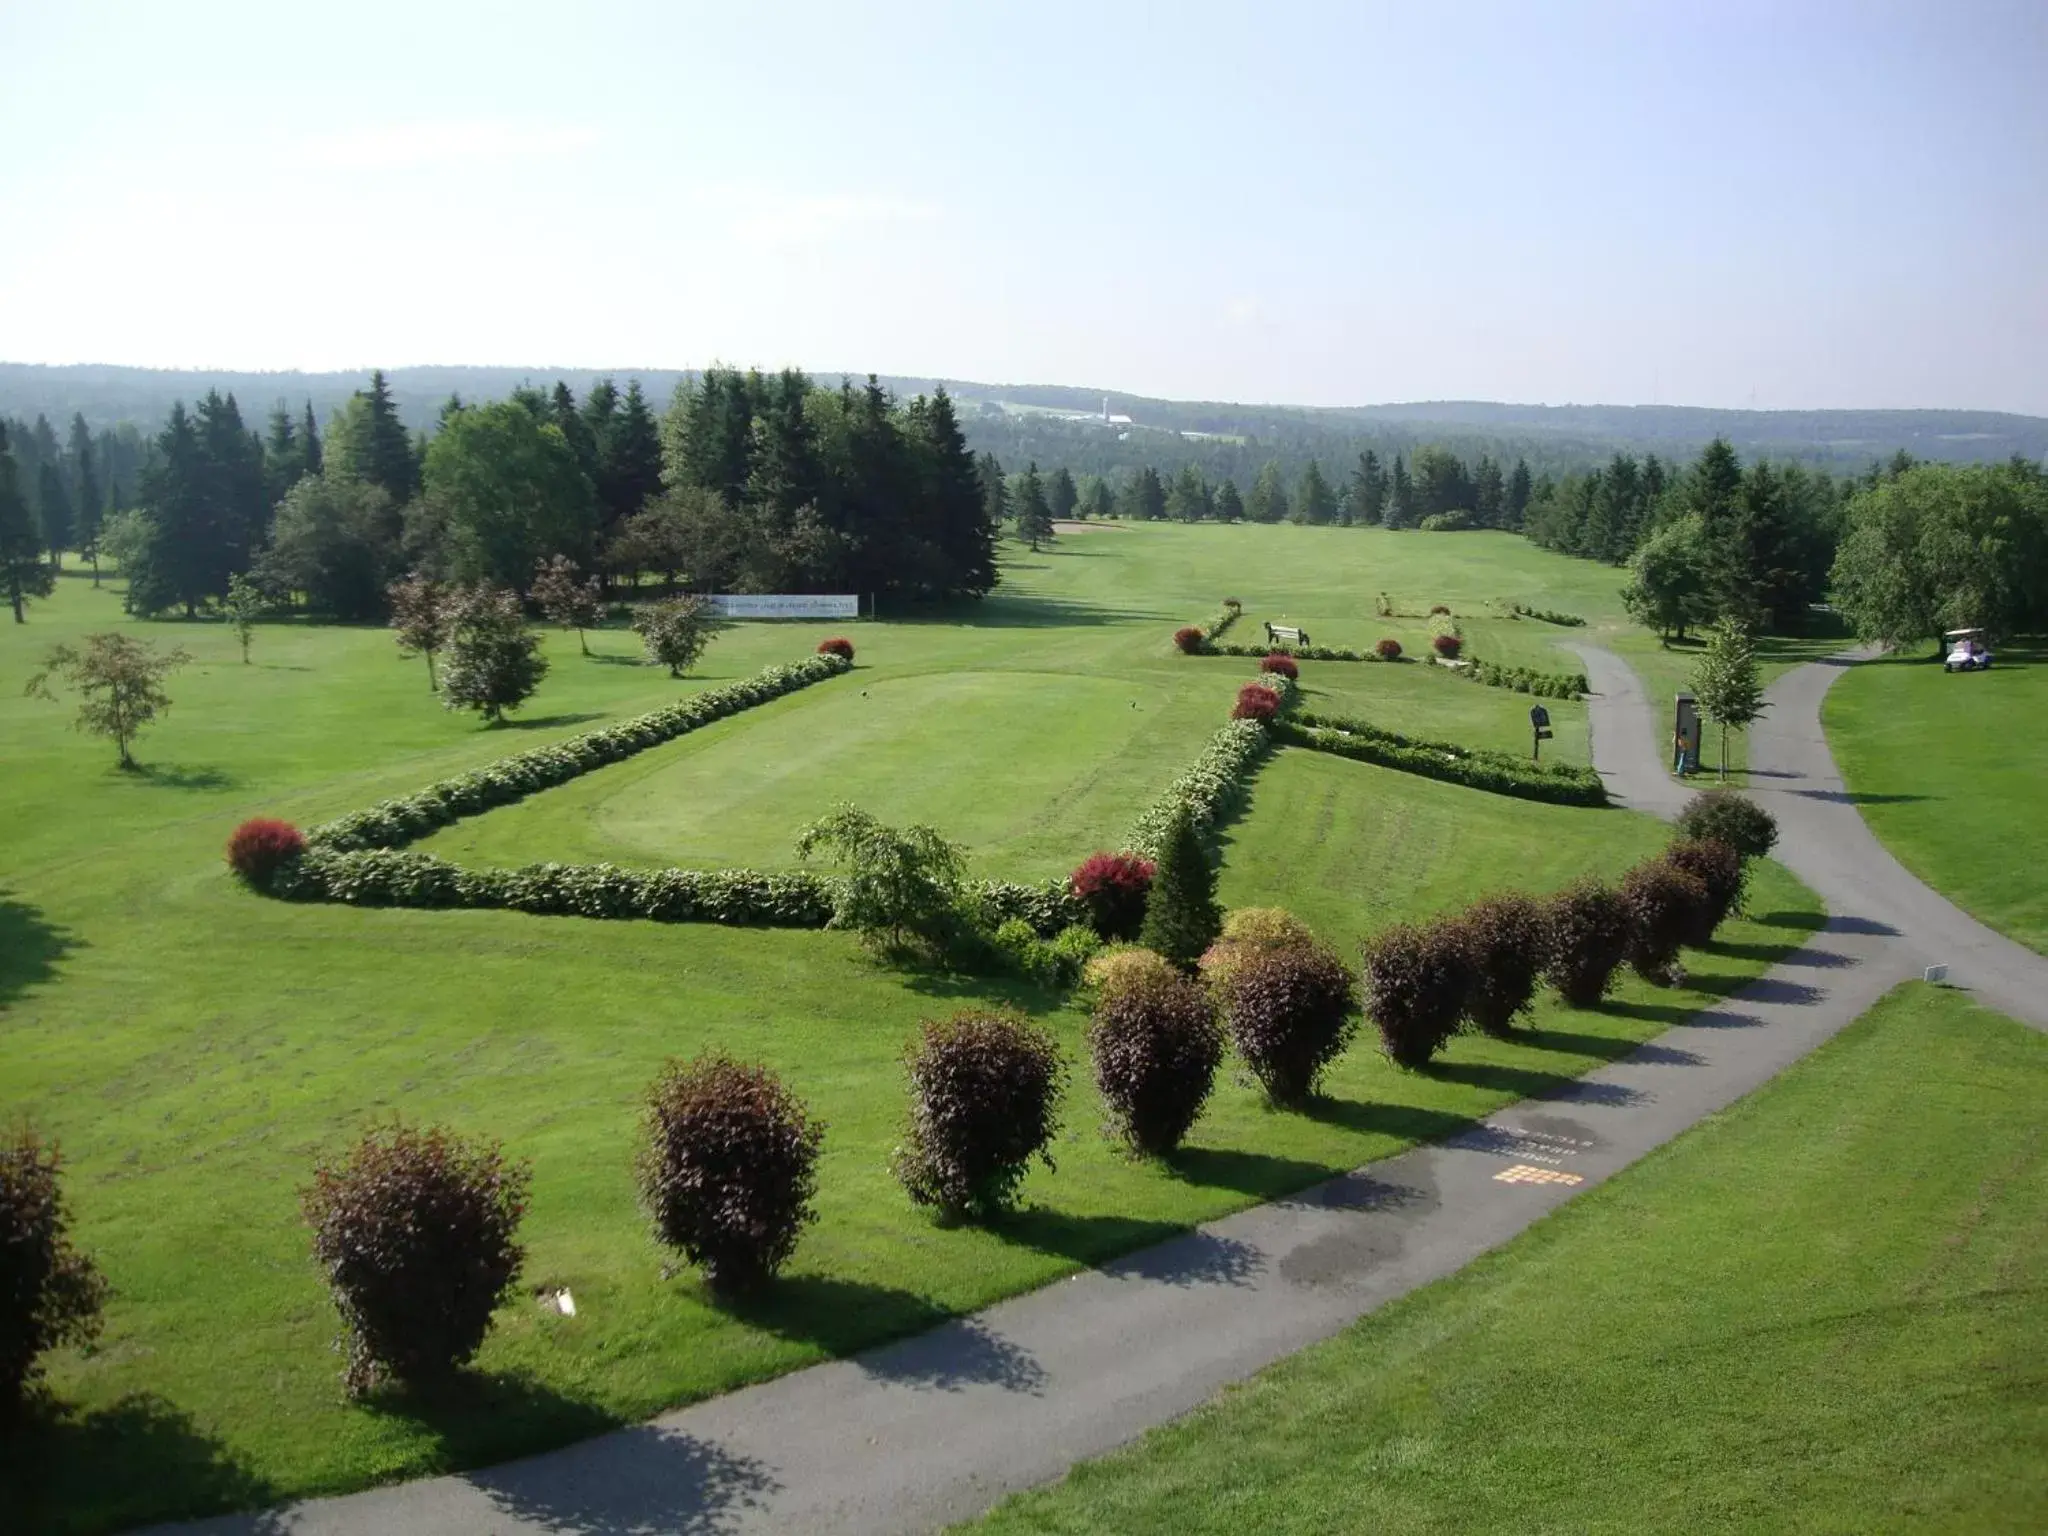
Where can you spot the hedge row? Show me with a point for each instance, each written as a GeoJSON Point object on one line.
{"type": "Point", "coordinates": [390, 877]}
{"type": "Point", "coordinates": [1207, 789]}
{"type": "Point", "coordinates": [1050, 907]}
{"type": "Point", "coordinates": [1547, 685]}
{"type": "Point", "coordinates": [394, 823]}
{"type": "Point", "coordinates": [1500, 773]}
{"type": "Point", "coordinates": [1548, 616]}
{"type": "Point", "coordinates": [1298, 652]}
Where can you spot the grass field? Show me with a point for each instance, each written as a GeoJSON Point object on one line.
{"type": "Point", "coordinates": [1947, 771]}
{"type": "Point", "coordinates": [195, 1047]}
{"type": "Point", "coordinates": [1816, 1311]}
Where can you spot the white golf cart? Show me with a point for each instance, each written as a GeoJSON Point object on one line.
{"type": "Point", "coordinates": [1967, 651]}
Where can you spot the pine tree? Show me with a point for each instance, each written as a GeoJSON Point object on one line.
{"type": "Point", "coordinates": [376, 447]}
{"type": "Point", "coordinates": [1098, 501]}
{"type": "Point", "coordinates": [1189, 500]}
{"type": "Point", "coordinates": [1229, 504]}
{"type": "Point", "coordinates": [1034, 516]}
{"type": "Point", "coordinates": [1515, 509]}
{"type": "Point", "coordinates": [1400, 510]}
{"type": "Point", "coordinates": [86, 506]}
{"type": "Point", "coordinates": [169, 565]}
{"type": "Point", "coordinates": [1061, 495]}
{"type": "Point", "coordinates": [631, 458]}
{"type": "Point", "coordinates": [55, 508]}
{"type": "Point", "coordinates": [958, 520]}
{"type": "Point", "coordinates": [1489, 492]}
{"type": "Point", "coordinates": [309, 442]}
{"type": "Point", "coordinates": [284, 456]}
{"type": "Point", "coordinates": [1712, 488]}
{"type": "Point", "coordinates": [1365, 493]}
{"type": "Point", "coordinates": [1726, 682]}
{"type": "Point", "coordinates": [1181, 917]}
{"type": "Point", "coordinates": [1314, 502]}
{"type": "Point", "coordinates": [579, 429]}
{"type": "Point", "coordinates": [995, 489]}
{"type": "Point", "coordinates": [1148, 495]}
{"type": "Point", "coordinates": [1268, 500]}
{"type": "Point", "coordinates": [23, 575]}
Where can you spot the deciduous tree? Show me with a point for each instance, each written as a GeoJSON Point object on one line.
{"type": "Point", "coordinates": [494, 661]}
{"type": "Point", "coordinates": [420, 616]}
{"type": "Point", "coordinates": [119, 682]}
{"type": "Point", "coordinates": [676, 632]}
{"type": "Point", "coordinates": [1726, 682]}
{"type": "Point", "coordinates": [566, 600]}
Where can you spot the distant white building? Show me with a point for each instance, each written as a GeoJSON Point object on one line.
{"type": "Point", "coordinates": [1112, 421]}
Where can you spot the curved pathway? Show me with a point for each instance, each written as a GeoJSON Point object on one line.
{"type": "Point", "coordinates": [937, 1428]}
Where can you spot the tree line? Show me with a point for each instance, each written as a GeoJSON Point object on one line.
{"type": "Point", "coordinates": [747, 482]}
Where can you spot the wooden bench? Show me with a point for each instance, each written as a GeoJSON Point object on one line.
{"type": "Point", "coordinates": [1285, 634]}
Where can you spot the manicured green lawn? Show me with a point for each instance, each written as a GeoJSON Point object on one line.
{"type": "Point", "coordinates": [195, 1047]}
{"type": "Point", "coordinates": [1949, 773]}
{"type": "Point", "coordinates": [1817, 1311]}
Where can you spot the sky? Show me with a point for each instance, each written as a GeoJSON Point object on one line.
{"type": "Point", "coordinates": [1786, 205]}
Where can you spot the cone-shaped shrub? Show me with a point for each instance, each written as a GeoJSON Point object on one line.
{"type": "Point", "coordinates": [728, 1168]}
{"type": "Point", "coordinates": [838, 645]}
{"type": "Point", "coordinates": [1255, 701]}
{"type": "Point", "coordinates": [1388, 649]}
{"type": "Point", "coordinates": [985, 1092]}
{"type": "Point", "coordinates": [1291, 1012]}
{"type": "Point", "coordinates": [1282, 663]}
{"type": "Point", "coordinates": [1417, 979]}
{"type": "Point", "coordinates": [1447, 646]}
{"type": "Point", "coordinates": [1112, 887]}
{"type": "Point", "coordinates": [1724, 873]}
{"type": "Point", "coordinates": [1181, 919]}
{"type": "Point", "coordinates": [1586, 936]}
{"type": "Point", "coordinates": [260, 845]}
{"type": "Point", "coordinates": [1737, 821]}
{"type": "Point", "coordinates": [414, 1232]}
{"type": "Point", "coordinates": [1189, 640]}
{"type": "Point", "coordinates": [1156, 1045]}
{"type": "Point", "coordinates": [1503, 937]}
{"type": "Point", "coordinates": [52, 1293]}
{"type": "Point", "coordinates": [1665, 904]}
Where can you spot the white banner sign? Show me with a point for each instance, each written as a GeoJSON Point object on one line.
{"type": "Point", "coordinates": [783, 605]}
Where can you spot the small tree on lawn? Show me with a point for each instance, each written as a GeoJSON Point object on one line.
{"type": "Point", "coordinates": [494, 660]}
{"type": "Point", "coordinates": [1726, 682]}
{"type": "Point", "coordinates": [419, 618]}
{"type": "Point", "coordinates": [676, 632]}
{"type": "Point", "coordinates": [244, 606]}
{"type": "Point", "coordinates": [566, 601]}
{"type": "Point", "coordinates": [120, 685]}
{"type": "Point", "coordinates": [1181, 917]}
{"type": "Point", "coordinates": [901, 884]}
{"type": "Point", "coordinates": [1034, 515]}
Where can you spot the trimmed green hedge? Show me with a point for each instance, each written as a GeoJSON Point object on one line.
{"type": "Point", "coordinates": [394, 823]}
{"type": "Point", "coordinates": [1496, 772]}
{"type": "Point", "coordinates": [1049, 907]}
{"type": "Point", "coordinates": [1298, 652]}
{"type": "Point", "coordinates": [1549, 616]}
{"type": "Point", "coordinates": [1546, 685]}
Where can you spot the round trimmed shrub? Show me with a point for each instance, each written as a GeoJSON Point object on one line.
{"type": "Point", "coordinates": [1189, 640]}
{"type": "Point", "coordinates": [1665, 904]}
{"type": "Point", "coordinates": [985, 1089]}
{"type": "Point", "coordinates": [1291, 1012]}
{"type": "Point", "coordinates": [1733, 819]}
{"type": "Point", "coordinates": [1282, 663]}
{"type": "Point", "coordinates": [1233, 605]}
{"type": "Point", "coordinates": [1586, 936]}
{"type": "Point", "coordinates": [838, 645]}
{"type": "Point", "coordinates": [414, 1231]}
{"type": "Point", "coordinates": [1156, 1045]}
{"type": "Point", "coordinates": [1447, 646]}
{"type": "Point", "coordinates": [1388, 649]}
{"type": "Point", "coordinates": [53, 1293]}
{"type": "Point", "coordinates": [1417, 980]}
{"type": "Point", "coordinates": [728, 1168]}
{"type": "Point", "coordinates": [1255, 701]}
{"type": "Point", "coordinates": [1112, 886]}
{"type": "Point", "coordinates": [1247, 931]}
{"type": "Point", "coordinates": [1123, 966]}
{"type": "Point", "coordinates": [1503, 937]}
{"type": "Point", "coordinates": [1437, 608]}
{"type": "Point", "coordinates": [260, 846]}
{"type": "Point", "coordinates": [1724, 873]}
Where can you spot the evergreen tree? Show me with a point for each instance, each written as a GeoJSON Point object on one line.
{"type": "Point", "coordinates": [392, 462]}
{"type": "Point", "coordinates": [1061, 495]}
{"type": "Point", "coordinates": [56, 513]}
{"type": "Point", "coordinates": [1229, 504]}
{"type": "Point", "coordinates": [23, 575]}
{"type": "Point", "coordinates": [1726, 682]}
{"type": "Point", "coordinates": [87, 507]}
{"type": "Point", "coordinates": [1489, 493]}
{"type": "Point", "coordinates": [1515, 509]}
{"type": "Point", "coordinates": [1148, 495]}
{"type": "Point", "coordinates": [1189, 500]}
{"type": "Point", "coordinates": [1440, 483]}
{"type": "Point", "coordinates": [959, 524]}
{"type": "Point", "coordinates": [1712, 489]}
{"type": "Point", "coordinates": [1034, 516]}
{"type": "Point", "coordinates": [1365, 493]}
{"type": "Point", "coordinates": [175, 549]}
{"type": "Point", "coordinates": [1314, 502]}
{"type": "Point", "coordinates": [578, 431]}
{"type": "Point", "coordinates": [1181, 917]}
{"type": "Point", "coordinates": [995, 489]}
{"type": "Point", "coordinates": [1268, 500]}
{"type": "Point", "coordinates": [1400, 509]}
{"type": "Point", "coordinates": [629, 459]}
{"type": "Point", "coordinates": [309, 442]}
{"type": "Point", "coordinates": [1098, 501]}
{"type": "Point", "coordinates": [284, 456]}
{"type": "Point", "coordinates": [236, 507]}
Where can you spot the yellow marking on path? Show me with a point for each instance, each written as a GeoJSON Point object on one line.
{"type": "Point", "coordinates": [1525, 1173]}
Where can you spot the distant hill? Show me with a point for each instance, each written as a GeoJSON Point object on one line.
{"type": "Point", "coordinates": [1046, 422]}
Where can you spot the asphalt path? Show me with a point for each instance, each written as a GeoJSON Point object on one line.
{"type": "Point", "coordinates": [937, 1428]}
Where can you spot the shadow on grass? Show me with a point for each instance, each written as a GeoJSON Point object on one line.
{"type": "Point", "coordinates": [1081, 1239]}
{"type": "Point", "coordinates": [1857, 797]}
{"type": "Point", "coordinates": [1246, 1173]}
{"type": "Point", "coordinates": [30, 947]}
{"type": "Point", "coordinates": [646, 1478]}
{"type": "Point", "coordinates": [172, 776]}
{"type": "Point", "coordinates": [480, 1417]}
{"type": "Point", "coordinates": [1016, 610]}
{"type": "Point", "coordinates": [543, 722]}
{"type": "Point", "coordinates": [1403, 1122]}
{"type": "Point", "coordinates": [608, 659]}
{"type": "Point", "coordinates": [110, 1468]}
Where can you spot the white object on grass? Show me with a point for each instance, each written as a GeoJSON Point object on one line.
{"type": "Point", "coordinates": [1935, 973]}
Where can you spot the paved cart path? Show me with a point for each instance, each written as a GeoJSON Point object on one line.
{"type": "Point", "coordinates": [937, 1428]}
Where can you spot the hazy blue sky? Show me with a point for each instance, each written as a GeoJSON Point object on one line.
{"type": "Point", "coordinates": [1803, 204]}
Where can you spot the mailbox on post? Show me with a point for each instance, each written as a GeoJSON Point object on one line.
{"type": "Point", "coordinates": [1685, 740]}
{"type": "Point", "coordinates": [1539, 722]}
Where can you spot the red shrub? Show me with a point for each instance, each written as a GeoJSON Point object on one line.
{"type": "Point", "coordinates": [1665, 906]}
{"type": "Point", "coordinates": [53, 1292]}
{"type": "Point", "coordinates": [260, 845]}
{"type": "Point", "coordinates": [1291, 1013]}
{"type": "Point", "coordinates": [1112, 886]}
{"type": "Point", "coordinates": [1156, 1045]}
{"type": "Point", "coordinates": [838, 645]}
{"type": "Point", "coordinates": [1255, 701]}
{"type": "Point", "coordinates": [1416, 984]}
{"type": "Point", "coordinates": [1388, 649]}
{"type": "Point", "coordinates": [1281, 663]}
{"type": "Point", "coordinates": [1586, 935]}
{"type": "Point", "coordinates": [1447, 646]}
{"type": "Point", "coordinates": [1722, 870]}
{"type": "Point", "coordinates": [985, 1089]}
{"type": "Point", "coordinates": [1190, 640]}
{"type": "Point", "coordinates": [1504, 938]}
